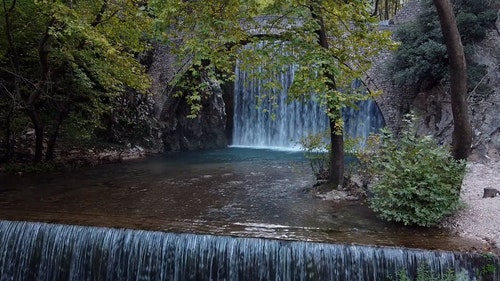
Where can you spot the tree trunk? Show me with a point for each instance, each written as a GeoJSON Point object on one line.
{"type": "Point", "coordinates": [462, 132]}
{"type": "Point", "coordinates": [336, 172]}
{"type": "Point", "coordinates": [32, 100]}
{"type": "Point", "coordinates": [51, 144]}
{"type": "Point", "coordinates": [386, 12]}
{"type": "Point", "coordinates": [375, 8]}
{"type": "Point", "coordinates": [38, 126]}
{"type": "Point", "coordinates": [336, 169]}
{"type": "Point", "coordinates": [8, 136]}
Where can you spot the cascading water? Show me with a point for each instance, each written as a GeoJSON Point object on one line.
{"type": "Point", "coordinates": [254, 127]}
{"type": "Point", "coordinates": [40, 251]}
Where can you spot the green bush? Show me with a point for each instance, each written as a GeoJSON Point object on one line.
{"type": "Point", "coordinates": [316, 150]}
{"type": "Point", "coordinates": [418, 181]}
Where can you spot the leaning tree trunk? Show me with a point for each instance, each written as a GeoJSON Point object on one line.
{"type": "Point", "coordinates": [462, 132]}
{"type": "Point", "coordinates": [34, 98]}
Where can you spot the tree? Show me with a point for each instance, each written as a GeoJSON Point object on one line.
{"type": "Point", "coordinates": [462, 132]}
{"type": "Point", "coordinates": [331, 42]}
{"type": "Point", "coordinates": [67, 60]}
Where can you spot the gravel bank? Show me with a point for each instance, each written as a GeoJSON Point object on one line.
{"type": "Point", "coordinates": [480, 219]}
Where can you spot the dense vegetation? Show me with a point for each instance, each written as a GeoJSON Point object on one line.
{"type": "Point", "coordinates": [70, 72]}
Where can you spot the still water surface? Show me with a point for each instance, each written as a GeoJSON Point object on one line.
{"type": "Point", "coordinates": [233, 191]}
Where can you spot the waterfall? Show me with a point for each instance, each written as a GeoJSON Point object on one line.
{"type": "Point", "coordinates": [40, 251]}
{"type": "Point", "coordinates": [254, 127]}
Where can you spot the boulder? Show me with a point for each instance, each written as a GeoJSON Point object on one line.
{"type": "Point", "coordinates": [490, 192]}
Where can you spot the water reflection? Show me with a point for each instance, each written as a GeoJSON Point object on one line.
{"type": "Point", "coordinates": [235, 191]}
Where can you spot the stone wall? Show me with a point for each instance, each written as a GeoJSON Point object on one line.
{"type": "Point", "coordinates": [394, 101]}
{"type": "Point", "coordinates": [408, 12]}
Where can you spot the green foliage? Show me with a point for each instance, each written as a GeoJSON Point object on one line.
{"type": "Point", "coordinates": [418, 181]}
{"type": "Point", "coordinates": [474, 18]}
{"type": "Point", "coordinates": [421, 59]}
{"type": "Point", "coordinates": [488, 268]}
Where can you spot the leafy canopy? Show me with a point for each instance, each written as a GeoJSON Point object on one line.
{"type": "Point", "coordinates": [91, 48]}
{"type": "Point", "coordinates": [210, 37]}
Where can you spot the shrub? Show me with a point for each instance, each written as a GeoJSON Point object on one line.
{"type": "Point", "coordinates": [418, 181]}
{"type": "Point", "coordinates": [316, 149]}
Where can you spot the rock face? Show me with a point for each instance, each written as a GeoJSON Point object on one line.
{"type": "Point", "coordinates": [485, 111]}
{"type": "Point", "coordinates": [433, 106]}
{"type": "Point", "coordinates": [207, 130]}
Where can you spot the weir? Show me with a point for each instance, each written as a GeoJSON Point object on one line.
{"type": "Point", "coordinates": [254, 126]}
{"type": "Point", "coordinates": [40, 251]}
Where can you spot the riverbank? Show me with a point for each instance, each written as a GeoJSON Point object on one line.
{"type": "Point", "coordinates": [480, 217]}
{"type": "Point", "coordinates": [75, 158]}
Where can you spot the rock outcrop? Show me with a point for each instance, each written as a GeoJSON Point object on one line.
{"type": "Point", "coordinates": [485, 110]}
{"type": "Point", "coordinates": [178, 132]}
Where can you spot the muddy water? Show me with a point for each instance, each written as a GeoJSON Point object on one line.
{"type": "Point", "coordinates": [235, 191]}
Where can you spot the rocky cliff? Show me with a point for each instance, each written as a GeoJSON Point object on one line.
{"type": "Point", "coordinates": [433, 107]}
{"type": "Point", "coordinates": [485, 109]}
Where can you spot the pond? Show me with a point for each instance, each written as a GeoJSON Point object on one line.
{"type": "Point", "coordinates": [234, 191]}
